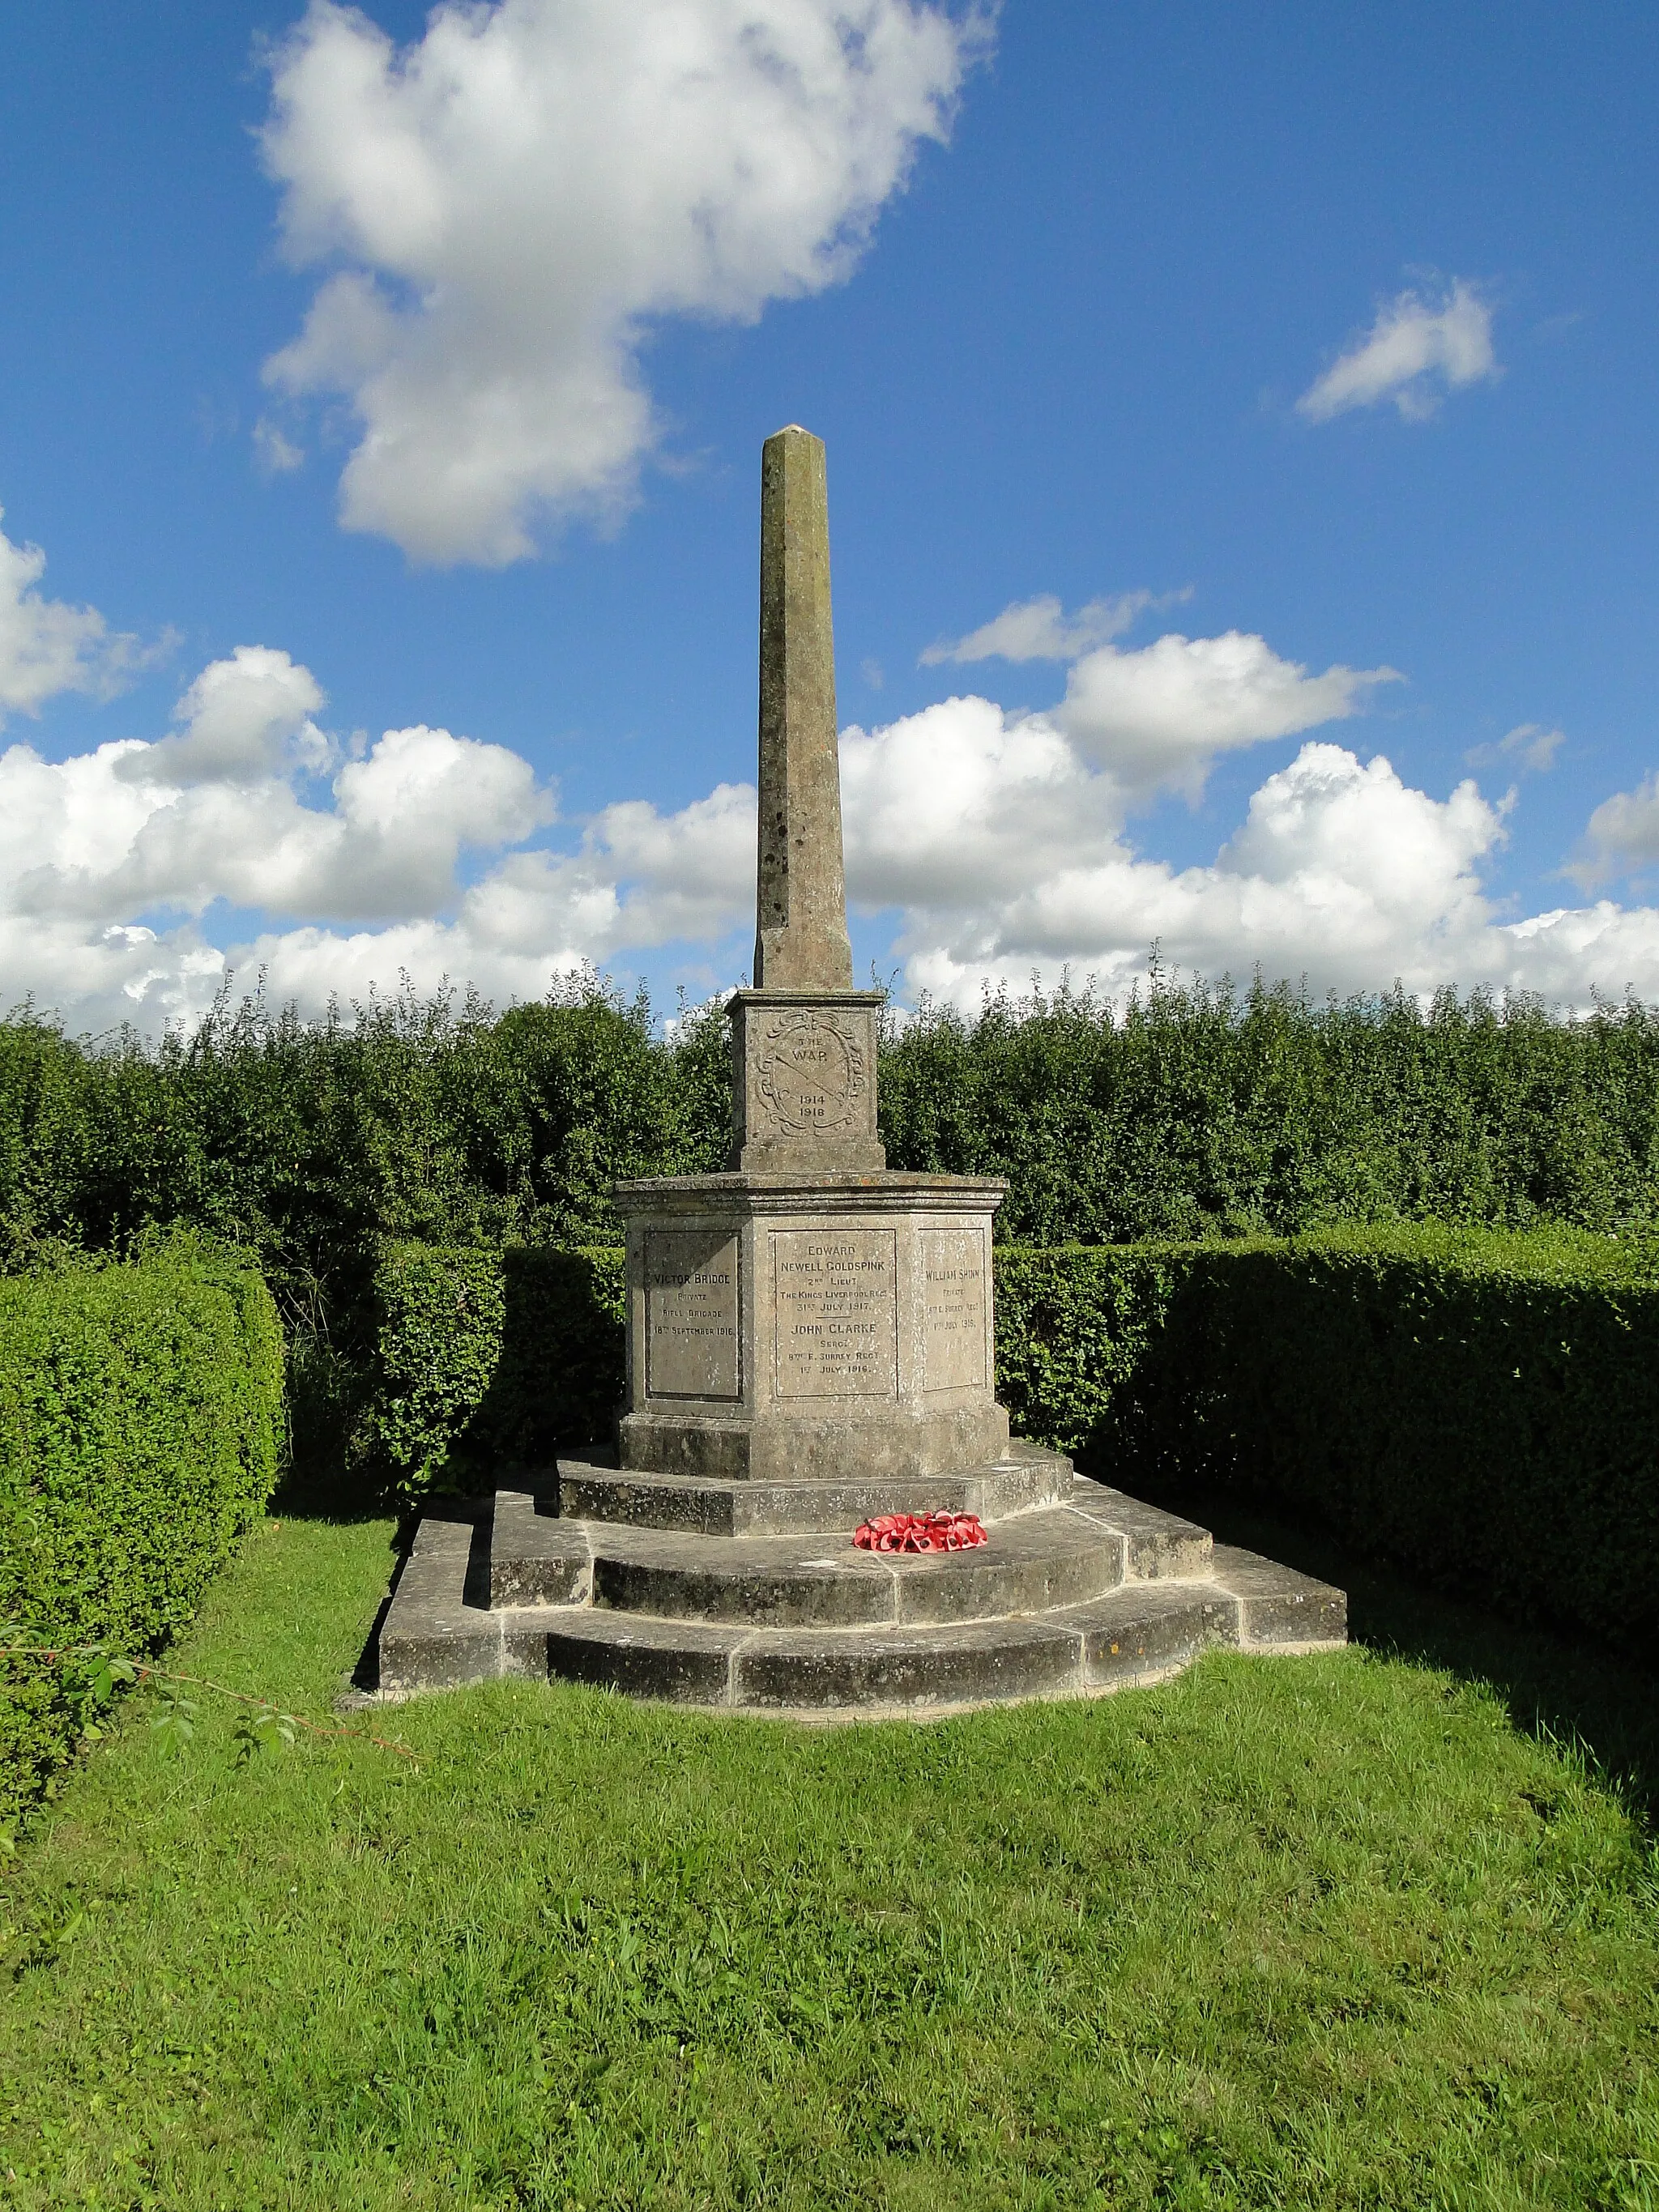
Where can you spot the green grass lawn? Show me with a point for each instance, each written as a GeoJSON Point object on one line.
{"type": "Point", "coordinates": [1328, 1932]}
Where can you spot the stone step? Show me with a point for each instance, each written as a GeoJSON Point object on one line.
{"type": "Point", "coordinates": [592, 1489]}
{"type": "Point", "coordinates": [1045, 1557]}
{"type": "Point", "coordinates": [1054, 1558]}
{"type": "Point", "coordinates": [536, 1551]}
{"type": "Point", "coordinates": [890, 1668]}
{"type": "Point", "coordinates": [1157, 1545]}
{"type": "Point", "coordinates": [1279, 1609]}
{"type": "Point", "coordinates": [1140, 1632]}
{"type": "Point", "coordinates": [440, 1632]}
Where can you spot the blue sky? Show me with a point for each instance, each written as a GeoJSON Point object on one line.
{"type": "Point", "coordinates": [379, 372]}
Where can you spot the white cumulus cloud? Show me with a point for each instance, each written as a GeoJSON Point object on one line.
{"type": "Point", "coordinates": [1004, 850]}
{"type": "Point", "coordinates": [241, 720]}
{"type": "Point", "coordinates": [48, 646]}
{"type": "Point", "coordinates": [511, 201]}
{"type": "Point", "coordinates": [638, 879]}
{"type": "Point", "coordinates": [110, 859]}
{"type": "Point", "coordinates": [1340, 872]}
{"type": "Point", "coordinates": [1041, 629]}
{"type": "Point", "coordinates": [1416, 350]}
{"type": "Point", "coordinates": [1156, 718]}
{"type": "Point", "coordinates": [962, 799]}
{"type": "Point", "coordinates": [998, 841]}
{"type": "Point", "coordinates": [1621, 838]}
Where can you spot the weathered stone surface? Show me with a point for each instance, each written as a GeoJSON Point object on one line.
{"type": "Point", "coordinates": [956, 1308]}
{"type": "Point", "coordinates": [756, 1583]}
{"type": "Point", "coordinates": [1277, 1608]}
{"type": "Point", "coordinates": [524, 1642]}
{"type": "Point", "coordinates": [806, 1317]}
{"type": "Point", "coordinates": [864, 1320]}
{"type": "Point", "coordinates": [698, 1446]}
{"type": "Point", "coordinates": [649, 1501]}
{"type": "Point", "coordinates": [1032, 1564]}
{"type": "Point", "coordinates": [804, 1082]}
{"type": "Point", "coordinates": [1038, 1565]}
{"type": "Point", "coordinates": [692, 1343]}
{"type": "Point", "coordinates": [801, 942]}
{"type": "Point", "coordinates": [1029, 1478]}
{"type": "Point", "coordinates": [431, 1638]}
{"type": "Point", "coordinates": [535, 1558]}
{"type": "Point", "coordinates": [803, 1041]}
{"type": "Point", "coordinates": [907, 1669]}
{"type": "Point", "coordinates": [680, 1661]}
{"type": "Point", "coordinates": [798, 1623]}
{"type": "Point", "coordinates": [1160, 1544]}
{"type": "Point", "coordinates": [835, 1304]}
{"type": "Point", "coordinates": [1145, 1630]}
{"type": "Point", "coordinates": [777, 1446]}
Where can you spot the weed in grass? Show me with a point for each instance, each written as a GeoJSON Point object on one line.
{"type": "Point", "coordinates": [1311, 1933]}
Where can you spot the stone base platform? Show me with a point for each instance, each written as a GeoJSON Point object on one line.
{"type": "Point", "coordinates": [750, 1597]}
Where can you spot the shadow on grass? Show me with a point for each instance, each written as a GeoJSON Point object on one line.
{"type": "Point", "coordinates": [310, 1492]}
{"type": "Point", "coordinates": [1568, 1689]}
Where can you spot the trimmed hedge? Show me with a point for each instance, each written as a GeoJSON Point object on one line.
{"type": "Point", "coordinates": [1481, 1407]}
{"type": "Point", "coordinates": [141, 1427]}
{"type": "Point", "coordinates": [1183, 1111]}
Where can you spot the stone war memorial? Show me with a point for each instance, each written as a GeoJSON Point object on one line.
{"type": "Point", "coordinates": [811, 1349]}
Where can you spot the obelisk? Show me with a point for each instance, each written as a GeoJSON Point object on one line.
{"type": "Point", "coordinates": [805, 1316]}
{"type": "Point", "coordinates": [800, 941]}
{"type": "Point", "coordinates": [803, 1041]}
{"type": "Point", "coordinates": [811, 1345]}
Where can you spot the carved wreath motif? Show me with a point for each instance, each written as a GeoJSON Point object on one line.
{"type": "Point", "coordinates": [810, 1074]}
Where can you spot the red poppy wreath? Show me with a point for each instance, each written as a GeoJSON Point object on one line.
{"type": "Point", "coordinates": [919, 1532]}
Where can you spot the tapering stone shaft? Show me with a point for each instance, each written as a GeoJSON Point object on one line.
{"type": "Point", "coordinates": [800, 941]}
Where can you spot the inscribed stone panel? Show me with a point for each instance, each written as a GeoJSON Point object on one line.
{"type": "Point", "coordinates": [953, 1308]}
{"type": "Point", "coordinates": [809, 1074]}
{"type": "Point", "coordinates": [691, 1313]}
{"type": "Point", "coordinates": [835, 1313]}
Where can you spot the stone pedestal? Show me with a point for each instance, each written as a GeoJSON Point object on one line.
{"type": "Point", "coordinates": [804, 1082]}
{"type": "Point", "coordinates": [810, 1329]}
